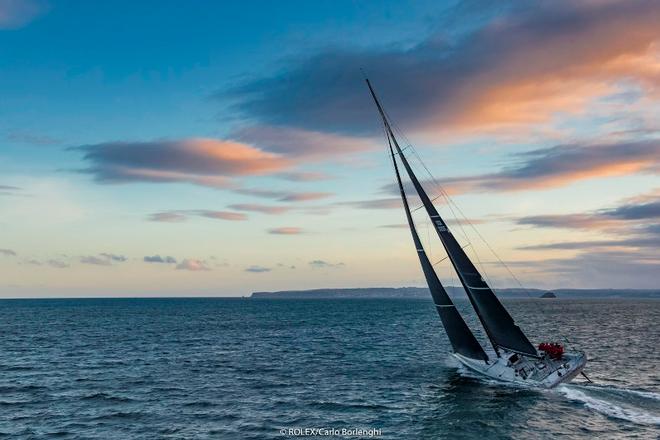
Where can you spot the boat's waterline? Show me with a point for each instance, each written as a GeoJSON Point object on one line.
{"type": "Point", "coordinates": [543, 373]}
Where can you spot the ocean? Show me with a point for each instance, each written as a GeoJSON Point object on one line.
{"type": "Point", "coordinates": [274, 369]}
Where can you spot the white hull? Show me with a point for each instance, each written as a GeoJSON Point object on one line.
{"type": "Point", "coordinates": [528, 371]}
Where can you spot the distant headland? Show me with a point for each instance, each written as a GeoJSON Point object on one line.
{"type": "Point", "coordinates": [422, 292]}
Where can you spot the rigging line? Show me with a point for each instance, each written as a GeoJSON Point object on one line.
{"type": "Point", "coordinates": [443, 259]}
{"type": "Point", "coordinates": [441, 195]}
{"type": "Point", "coordinates": [450, 202]}
{"type": "Point", "coordinates": [391, 161]}
{"type": "Point", "coordinates": [409, 144]}
{"type": "Point", "coordinates": [432, 200]}
{"type": "Point", "coordinates": [451, 207]}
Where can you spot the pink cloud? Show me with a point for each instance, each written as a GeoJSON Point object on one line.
{"type": "Point", "coordinates": [193, 265]}
{"type": "Point", "coordinates": [200, 161]}
{"type": "Point", "coordinates": [286, 230]}
{"type": "Point", "coordinates": [256, 207]}
{"type": "Point", "coordinates": [524, 66]}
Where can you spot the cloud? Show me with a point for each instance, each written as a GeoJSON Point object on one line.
{"type": "Point", "coordinates": [220, 215]}
{"type": "Point", "coordinates": [520, 67]}
{"type": "Point", "coordinates": [159, 259]}
{"type": "Point", "coordinates": [103, 259]}
{"type": "Point", "coordinates": [167, 217]}
{"type": "Point", "coordinates": [321, 264]}
{"type": "Point", "coordinates": [303, 144]}
{"type": "Point", "coordinates": [471, 221]}
{"type": "Point", "coordinates": [635, 224]}
{"type": "Point", "coordinates": [257, 269]}
{"type": "Point", "coordinates": [264, 209]}
{"type": "Point", "coordinates": [182, 215]}
{"type": "Point", "coordinates": [31, 138]}
{"type": "Point", "coordinates": [645, 209]}
{"type": "Point", "coordinates": [57, 264]}
{"type": "Point", "coordinates": [284, 196]}
{"type": "Point", "coordinates": [650, 210]}
{"type": "Point", "coordinates": [388, 203]}
{"type": "Point", "coordinates": [569, 221]}
{"type": "Point", "coordinates": [305, 197]}
{"type": "Point", "coordinates": [8, 252]}
{"type": "Point", "coordinates": [114, 257]}
{"type": "Point", "coordinates": [15, 14]}
{"type": "Point", "coordinates": [303, 176]}
{"type": "Point", "coordinates": [594, 244]}
{"type": "Point", "coordinates": [558, 166]}
{"type": "Point", "coordinates": [200, 161]}
{"type": "Point", "coordinates": [193, 265]}
{"type": "Point", "coordinates": [610, 269]}
{"type": "Point", "coordinates": [286, 230]}
{"type": "Point", "coordinates": [10, 190]}
{"type": "Point", "coordinates": [90, 259]}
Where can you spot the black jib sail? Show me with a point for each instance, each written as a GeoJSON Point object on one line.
{"type": "Point", "coordinates": [498, 324]}
{"type": "Point", "coordinates": [460, 335]}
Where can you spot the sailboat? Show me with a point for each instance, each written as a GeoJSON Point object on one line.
{"type": "Point", "coordinates": [513, 358]}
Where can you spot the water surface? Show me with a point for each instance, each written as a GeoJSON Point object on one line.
{"type": "Point", "coordinates": [240, 368]}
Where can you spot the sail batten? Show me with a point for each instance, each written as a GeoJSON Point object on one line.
{"type": "Point", "coordinates": [498, 324]}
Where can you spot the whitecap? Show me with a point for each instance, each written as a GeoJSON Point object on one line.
{"type": "Point", "coordinates": [610, 408]}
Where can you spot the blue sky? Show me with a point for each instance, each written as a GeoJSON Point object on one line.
{"type": "Point", "coordinates": [238, 139]}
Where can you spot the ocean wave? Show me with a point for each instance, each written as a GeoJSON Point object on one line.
{"type": "Point", "coordinates": [611, 408]}
{"type": "Point", "coordinates": [640, 393]}
{"type": "Point", "coordinates": [106, 397]}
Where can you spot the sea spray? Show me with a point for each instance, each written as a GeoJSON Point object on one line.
{"type": "Point", "coordinates": [611, 407]}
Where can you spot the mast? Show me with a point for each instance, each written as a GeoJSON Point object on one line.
{"type": "Point", "coordinates": [460, 336]}
{"type": "Point", "coordinates": [500, 327]}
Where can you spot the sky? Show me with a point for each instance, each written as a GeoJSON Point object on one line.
{"type": "Point", "coordinates": [168, 148]}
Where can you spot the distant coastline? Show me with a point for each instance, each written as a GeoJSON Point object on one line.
{"type": "Point", "coordinates": [422, 292]}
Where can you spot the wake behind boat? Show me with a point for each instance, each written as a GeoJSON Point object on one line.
{"type": "Point", "coordinates": [513, 358]}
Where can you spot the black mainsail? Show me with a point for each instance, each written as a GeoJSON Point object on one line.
{"type": "Point", "coordinates": [460, 336]}
{"type": "Point", "coordinates": [498, 324]}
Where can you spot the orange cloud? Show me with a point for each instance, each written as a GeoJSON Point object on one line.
{"type": "Point", "coordinates": [523, 67]}
{"type": "Point", "coordinates": [207, 162]}
{"type": "Point", "coordinates": [561, 165]}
